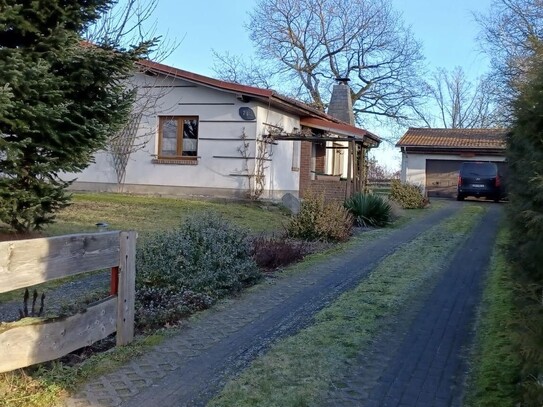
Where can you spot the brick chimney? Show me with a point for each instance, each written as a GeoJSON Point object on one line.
{"type": "Point", "coordinates": [341, 104]}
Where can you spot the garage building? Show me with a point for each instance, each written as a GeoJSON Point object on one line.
{"type": "Point", "coordinates": [431, 158]}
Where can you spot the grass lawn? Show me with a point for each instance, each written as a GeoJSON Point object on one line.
{"type": "Point", "coordinates": [148, 214]}
{"type": "Point", "coordinates": [496, 364]}
{"type": "Point", "coordinates": [298, 370]}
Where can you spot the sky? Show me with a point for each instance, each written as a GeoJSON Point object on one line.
{"type": "Point", "coordinates": [446, 29]}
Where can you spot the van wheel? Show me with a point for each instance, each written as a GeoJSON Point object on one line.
{"type": "Point", "coordinates": [497, 199]}
{"type": "Point", "coordinates": [459, 197]}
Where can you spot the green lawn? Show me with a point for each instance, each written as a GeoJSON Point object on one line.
{"type": "Point", "coordinates": [496, 363]}
{"type": "Point", "coordinates": [148, 213]}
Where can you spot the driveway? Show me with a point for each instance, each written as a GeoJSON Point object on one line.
{"type": "Point", "coordinates": [191, 367]}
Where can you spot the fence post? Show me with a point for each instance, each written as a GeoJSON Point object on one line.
{"type": "Point", "coordinates": [127, 286]}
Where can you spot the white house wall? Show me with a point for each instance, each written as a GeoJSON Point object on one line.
{"type": "Point", "coordinates": [414, 165]}
{"type": "Point", "coordinates": [219, 136]}
{"type": "Point", "coordinates": [283, 173]}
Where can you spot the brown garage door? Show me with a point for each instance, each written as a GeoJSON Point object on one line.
{"type": "Point", "coordinates": [442, 177]}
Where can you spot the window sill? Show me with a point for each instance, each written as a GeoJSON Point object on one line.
{"type": "Point", "coordinates": [175, 161]}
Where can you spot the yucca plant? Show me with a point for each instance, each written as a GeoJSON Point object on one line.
{"type": "Point", "coordinates": [369, 210]}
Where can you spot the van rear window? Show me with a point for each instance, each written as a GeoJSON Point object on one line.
{"type": "Point", "coordinates": [484, 169]}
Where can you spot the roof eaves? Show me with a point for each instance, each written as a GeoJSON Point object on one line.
{"type": "Point", "coordinates": [340, 128]}
{"type": "Point", "coordinates": [455, 147]}
{"type": "Point", "coordinates": [204, 80]}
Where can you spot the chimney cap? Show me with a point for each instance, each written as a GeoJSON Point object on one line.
{"type": "Point", "coordinates": [342, 80]}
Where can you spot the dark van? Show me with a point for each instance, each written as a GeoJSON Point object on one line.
{"type": "Point", "coordinates": [479, 179]}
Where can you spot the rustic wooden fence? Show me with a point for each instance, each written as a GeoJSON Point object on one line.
{"type": "Point", "coordinates": [24, 263]}
{"type": "Point", "coordinates": [380, 186]}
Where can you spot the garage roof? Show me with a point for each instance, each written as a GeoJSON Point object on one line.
{"type": "Point", "coordinates": [454, 138]}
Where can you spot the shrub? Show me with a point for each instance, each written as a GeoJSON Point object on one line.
{"type": "Point", "coordinates": [525, 214]}
{"type": "Point", "coordinates": [369, 210]}
{"type": "Point", "coordinates": [157, 307]}
{"type": "Point", "coordinates": [205, 254]}
{"type": "Point", "coordinates": [409, 196]}
{"type": "Point", "coordinates": [319, 220]}
{"type": "Point", "coordinates": [271, 252]}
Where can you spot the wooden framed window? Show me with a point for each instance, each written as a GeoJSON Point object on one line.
{"type": "Point", "coordinates": [178, 137]}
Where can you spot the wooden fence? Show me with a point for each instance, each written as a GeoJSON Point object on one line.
{"type": "Point", "coordinates": [25, 263]}
{"type": "Point", "coordinates": [380, 186]}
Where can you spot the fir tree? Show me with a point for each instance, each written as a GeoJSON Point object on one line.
{"type": "Point", "coordinates": [60, 98]}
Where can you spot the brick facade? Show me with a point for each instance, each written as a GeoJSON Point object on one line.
{"type": "Point", "coordinates": [320, 158]}
{"type": "Point", "coordinates": [331, 190]}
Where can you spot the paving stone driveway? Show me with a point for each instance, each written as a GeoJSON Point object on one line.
{"type": "Point", "coordinates": [420, 362]}
{"type": "Point", "coordinates": [189, 369]}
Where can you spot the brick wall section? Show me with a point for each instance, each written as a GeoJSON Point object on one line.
{"type": "Point", "coordinates": [332, 190]}
{"type": "Point", "coordinates": [305, 165]}
{"type": "Point", "coordinates": [320, 161]}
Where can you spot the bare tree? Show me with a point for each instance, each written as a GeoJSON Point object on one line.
{"type": "Point", "coordinates": [378, 171]}
{"type": "Point", "coordinates": [454, 101]}
{"type": "Point", "coordinates": [309, 43]}
{"type": "Point", "coordinates": [235, 68]}
{"type": "Point", "coordinates": [512, 34]}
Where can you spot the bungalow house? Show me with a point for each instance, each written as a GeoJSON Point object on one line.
{"type": "Point", "coordinates": [193, 135]}
{"type": "Point", "coordinates": [431, 158]}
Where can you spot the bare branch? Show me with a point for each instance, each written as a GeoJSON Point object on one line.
{"type": "Point", "coordinates": [458, 103]}
{"type": "Point", "coordinates": [512, 34]}
{"type": "Point", "coordinates": [306, 44]}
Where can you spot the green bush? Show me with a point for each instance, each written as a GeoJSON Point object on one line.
{"type": "Point", "coordinates": [205, 254]}
{"type": "Point", "coordinates": [369, 210]}
{"type": "Point", "coordinates": [320, 220]}
{"type": "Point", "coordinates": [525, 214]}
{"type": "Point", "coordinates": [408, 196]}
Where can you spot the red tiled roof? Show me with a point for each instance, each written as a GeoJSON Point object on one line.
{"type": "Point", "coordinates": [341, 128]}
{"type": "Point", "coordinates": [315, 116]}
{"type": "Point", "coordinates": [193, 77]}
{"type": "Point", "coordinates": [454, 138]}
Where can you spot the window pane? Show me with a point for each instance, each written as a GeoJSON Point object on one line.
{"type": "Point", "coordinates": [190, 137]}
{"type": "Point", "coordinates": [169, 137]}
{"type": "Point", "coordinates": [190, 147]}
{"type": "Point", "coordinates": [190, 128]}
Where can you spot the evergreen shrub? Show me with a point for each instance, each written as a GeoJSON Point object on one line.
{"type": "Point", "coordinates": [205, 255]}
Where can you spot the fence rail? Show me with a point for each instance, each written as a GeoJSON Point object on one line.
{"type": "Point", "coordinates": [380, 185]}
{"type": "Point", "coordinates": [28, 262]}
